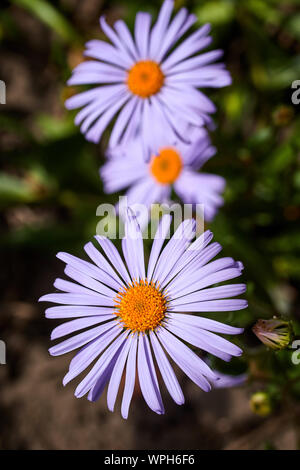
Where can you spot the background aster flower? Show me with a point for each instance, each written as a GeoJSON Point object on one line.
{"type": "Point", "coordinates": [132, 316]}
{"type": "Point", "coordinates": [149, 83]}
{"type": "Point", "coordinates": [229, 381]}
{"type": "Point", "coordinates": [176, 167]}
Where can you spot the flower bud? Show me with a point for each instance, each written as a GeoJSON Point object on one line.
{"type": "Point", "coordinates": [274, 333]}
{"type": "Point", "coordinates": [260, 404]}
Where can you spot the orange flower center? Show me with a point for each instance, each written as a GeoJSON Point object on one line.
{"type": "Point", "coordinates": [145, 78]}
{"type": "Point", "coordinates": [141, 306]}
{"type": "Point", "coordinates": [167, 166]}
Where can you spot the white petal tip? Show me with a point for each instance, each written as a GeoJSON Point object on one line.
{"type": "Point", "coordinates": [79, 394]}
{"type": "Point", "coordinates": [180, 401]}
{"type": "Point", "coordinates": [60, 255]}
{"type": "Point", "coordinates": [68, 104]}
{"type": "Point", "coordinates": [52, 352]}
{"type": "Point", "coordinates": [66, 380]}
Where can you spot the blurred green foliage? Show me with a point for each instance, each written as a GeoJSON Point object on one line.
{"type": "Point", "coordinates": [49, 181]}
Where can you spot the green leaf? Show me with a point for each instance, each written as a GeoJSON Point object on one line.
{"type": "Point", "coordinates": [216, 12]}
{"type": "Point", "coordinates": [51, 17]}
{"type": "Point", "coordinates": [53, 128]}
{"type": "Point", "coordinates": [13, 189]}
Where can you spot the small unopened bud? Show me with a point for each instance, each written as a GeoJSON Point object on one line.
{"type": "Point", "coordinates": [260, 404]}
{"type": "Point", "coordinates": [274, 333]}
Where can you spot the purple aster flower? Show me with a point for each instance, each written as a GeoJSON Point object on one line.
{"type": "Point", "coordinates": [145, 80]}
{"type": "Point", "coordinates": [134, 320]}
{"type": "Point", "coordinates": [174, 166]}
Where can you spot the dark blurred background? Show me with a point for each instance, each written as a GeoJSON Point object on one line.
{"type": "Point", "coordinates": [50, 189]}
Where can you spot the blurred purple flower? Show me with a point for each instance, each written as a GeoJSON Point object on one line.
{"type": "Point", "coordinates": [152, 86]}
{"type": "Point", "coordinates": [229, 381]}
{"type": "Point", "coordinates": [131, 315]}
{"type": "Point", "coordinates": [176, 166]}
